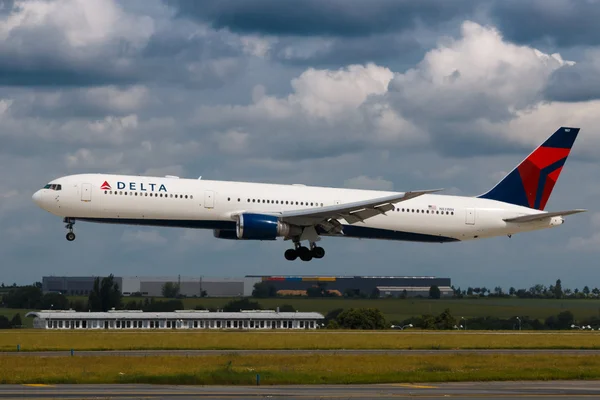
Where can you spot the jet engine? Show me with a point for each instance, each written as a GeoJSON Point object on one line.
{"type": "Point", "coordinates": [263, 227]}
{"type": "Point", "coordinates": [225, 234]}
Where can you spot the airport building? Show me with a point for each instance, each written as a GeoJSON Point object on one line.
{"type": "Point", "coordinates": [180, 319]}
{"type": "Point", "coordinates": [152, 286]}
{"type": "Point", "coordinates": [384, 286]}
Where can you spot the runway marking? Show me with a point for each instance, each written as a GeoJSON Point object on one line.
{"type": "Point", "coordinates": [37, 385]}
{"type": "Point", "coordinates": [410, 385]}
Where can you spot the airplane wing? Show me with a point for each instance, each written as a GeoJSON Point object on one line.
{"type": "Point", "coordinates": [539, 217]}
{"type": "Point", "coordinates": [328, 217]}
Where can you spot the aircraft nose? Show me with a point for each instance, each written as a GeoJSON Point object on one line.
{"type": "Point", "coordinates": [37, 197]}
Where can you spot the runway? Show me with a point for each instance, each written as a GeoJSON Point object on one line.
{"type": "Point", "coordinates": [147, 353]}
{"type": "Point", "coordinates": [497, 390]}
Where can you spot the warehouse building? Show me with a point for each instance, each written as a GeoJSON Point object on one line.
{"type": "Point", "coordinates": [383, 286]}
{"type": "Point", "coordinates": [180, 319]}
{"type": "Point", "coordinates": [152, 286]}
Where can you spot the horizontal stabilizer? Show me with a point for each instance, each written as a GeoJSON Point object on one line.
{"type": "Point", "coordinates": [539, 217]}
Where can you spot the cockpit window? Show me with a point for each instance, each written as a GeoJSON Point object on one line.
{"type": "Point", "coordinates": [53, 186]}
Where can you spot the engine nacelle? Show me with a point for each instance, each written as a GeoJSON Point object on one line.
{"type": "Point", "coordinates": [263, 227]}
{"type": "Point", "coordinates": [225, 234]}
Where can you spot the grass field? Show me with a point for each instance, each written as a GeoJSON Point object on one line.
{"type": "Point", "coordinates": [398, 309]}
{"type": "Point", "coordinates": [295, 369]}
{"type": "Point", "coordinates": [34, 340]}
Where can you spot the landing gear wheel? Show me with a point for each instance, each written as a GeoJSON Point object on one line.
{"type": "Point", "coordinates": [290, 254]}
{"type": "Point", "coordinates": [304, 253]}
{"type": "Point", "coordinates": [70, 236]}
{"type": "Point", "coordinates": [318, 252]}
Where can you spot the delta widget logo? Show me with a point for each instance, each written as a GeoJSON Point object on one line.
{"type": "Point", "coordinates": [136, 186]}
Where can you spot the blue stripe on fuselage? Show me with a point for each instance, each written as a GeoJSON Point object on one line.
{"type": "Point", "coordinates": [349, 230]}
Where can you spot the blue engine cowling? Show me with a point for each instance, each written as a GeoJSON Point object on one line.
{"type": "Point", "coordinates": [225, 234]}
{"type": "Point", "coordinates": [263, 227]}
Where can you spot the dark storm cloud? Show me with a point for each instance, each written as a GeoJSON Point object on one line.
{"type": "Point", "coordinates": [318, 17]}
{"type": "Point", "coordinates": [580, 82]}
{"type": "Point", "coordinates": [563, 23]}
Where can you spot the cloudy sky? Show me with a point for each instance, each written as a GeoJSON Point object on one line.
{"type": "Point", "coordinates": [383, 94]}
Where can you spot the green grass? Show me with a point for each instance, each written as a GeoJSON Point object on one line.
{"type": "Point", "coordinates": [398, 309]}
{"type": "Point", "coordinates": [295, 369]}
{"type": "Point", "coordinates": [39, 340]}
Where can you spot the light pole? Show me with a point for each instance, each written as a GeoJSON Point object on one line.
{"type": "Point", "coordinates": [519, 319]}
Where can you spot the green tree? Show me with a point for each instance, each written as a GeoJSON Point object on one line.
{"type": "Point", "coordinates": [242, 304]}
{"type": "Point", "coordinates": [152, 305]}
{"type": "Point", "coordinates": [434, 292]}
{"type": "Point", "coordinates": [54, 301]}
{"type": "Point", "coordinates": [23, 297]}
{"type": "Point", "coordinates": [15, 322]}
{"type": "Point", "coordinates": [4, 322]}
{"type": "Point", "coordinates": [586, 291]}
{"type": "Point", "coordinates": [361, 318]}
{"type": "Point", "coordinates": [170, 290]}
{"type": "Point", "coordinates": [558, 292]}
{"type": "Point", "coordinates": [263, 290]}
{"type": "Point", "coordinates": [445, 320]}
{"type": "Point", "coordinates": [427, 321]}
{"type": "Point", "coordinates": [77, 305]}
{"type": "Point", "coordinates": [104, 295]}
{"type": "Point", "coordinates": [287, 308]}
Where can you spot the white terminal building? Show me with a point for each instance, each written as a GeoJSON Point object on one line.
{"type": "Point", "coordinates": [180, 319]}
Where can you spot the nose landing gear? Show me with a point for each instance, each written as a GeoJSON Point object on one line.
{"type": "Point", "coordinates": [70, 222]}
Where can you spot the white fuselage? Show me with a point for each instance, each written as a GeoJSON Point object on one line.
{"type": "Point", "coordinates": [206, 204]}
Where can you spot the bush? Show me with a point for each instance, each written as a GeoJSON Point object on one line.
{"type": "Point", "coordinates": [361, 318]}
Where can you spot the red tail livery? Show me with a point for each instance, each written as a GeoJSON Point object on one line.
{"type": "Point", "coordinates": [531, 182]}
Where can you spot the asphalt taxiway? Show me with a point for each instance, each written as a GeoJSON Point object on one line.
{"type": "Point", "coordinates": [497, 390]}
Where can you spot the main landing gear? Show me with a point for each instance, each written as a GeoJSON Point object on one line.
{"type": "Point", "coordinates": [304, 253]}
{"type": "Point", "coordinates": [70, 222]}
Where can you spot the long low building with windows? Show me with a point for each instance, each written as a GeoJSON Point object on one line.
{"type": "Point", "coordinates": [179, 319]}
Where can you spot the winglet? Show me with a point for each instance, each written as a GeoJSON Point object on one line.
{"type": "Point", "coordinates": [417, 193]}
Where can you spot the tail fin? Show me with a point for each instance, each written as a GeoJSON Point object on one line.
{"type": "Point", "coordinates": [531, 182]}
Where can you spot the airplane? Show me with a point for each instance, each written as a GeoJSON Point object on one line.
{"type": "Point", "coordinates": [296, 212]}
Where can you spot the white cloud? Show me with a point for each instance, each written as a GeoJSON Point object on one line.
{"type": "Point", "coordinates": [124, 100]}
{"type": "Point", "coordinates": [327, 94]}
{"type": "Point", "coordinates": [591, 243]}
{"type": "Point", "coordinates": [86, 158]}
{"type": "Point", "coordinates": [5, 106]}
{"type": "Point", "coordinates": [82, 23]}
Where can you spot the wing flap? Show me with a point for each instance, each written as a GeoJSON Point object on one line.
{"type": "Point", "coordinates": [541, 216]}
{"type": "Point", "coordinates": [351, 212]}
